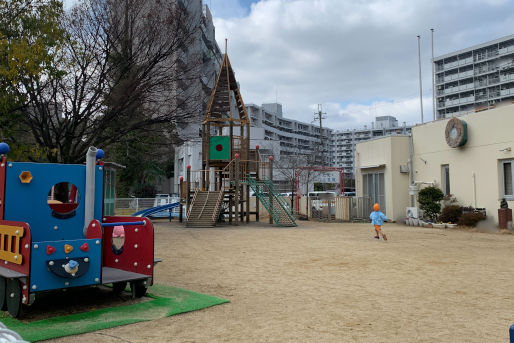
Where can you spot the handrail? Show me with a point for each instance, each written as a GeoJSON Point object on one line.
{"type": "Point", "coordinates": [218, 203]}
{"type": "Point", "coordinates": [204, 204]}
{"type": "Point", "coordinates": [123, 223]}
{"type": "Point", "coordinates": [275, 190]}
{"type": "Point", "coordinates": [192, 202]}
{"type": "Point", "coordinates": [258, 187]}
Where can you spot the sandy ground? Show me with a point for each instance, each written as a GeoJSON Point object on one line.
{"type": "Point", "coordinates": [332, 283]}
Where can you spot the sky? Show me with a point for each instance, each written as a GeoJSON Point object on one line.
{"type": "Point", "coordinates": [357, 58]}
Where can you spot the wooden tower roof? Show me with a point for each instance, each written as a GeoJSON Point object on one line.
{"type": "Point", "coordinates": [220, 109]}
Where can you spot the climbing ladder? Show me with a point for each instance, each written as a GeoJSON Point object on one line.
{"type": "Point", "coordinates": [205, 208]}
{"type": "Point", "coordinates": [268, 195]}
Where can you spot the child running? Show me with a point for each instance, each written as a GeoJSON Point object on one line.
{"type": "Point", "coordinates": [377, 220]}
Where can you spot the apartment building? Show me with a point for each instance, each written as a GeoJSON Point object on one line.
{"type": "Point", "coordinates": [289, 138]}
{"type": "Point", "coordinates": [475, 78]}
{"type": "Point", "coordinates": [203, 58]}
{"type": "Point", "coordinates": [344, 140]}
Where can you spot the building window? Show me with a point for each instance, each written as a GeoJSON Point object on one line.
{"type": "Point", "coordinates": [445, 171]}
{"type": "Point", "coordinates": [374, 188]}
{"type": "Point", "coordinates": [507, 178]}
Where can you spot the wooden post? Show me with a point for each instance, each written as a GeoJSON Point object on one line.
{"type": "Point", "coordinates": [237, 189]}
{"type": "Point", "coordinates": [329, 202]}
{"type": "Point", "coordinates": [188, 187]}
{"type": "Point", "coordinates": [207, 158]}
{"type": "Point", "coordinates": [230, 203]}
{"type": "Point", "coordinates": [269, 190]}
{"type": "Point", "coordinates": [247, 202]}
{"type": "Point", "coordinates": [181, 200]}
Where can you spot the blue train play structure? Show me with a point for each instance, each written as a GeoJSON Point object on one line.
{"type": "Point", "coordinates": [54, 235]}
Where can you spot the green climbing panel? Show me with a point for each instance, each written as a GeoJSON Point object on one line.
{"type": "Point", "coordinates": [219, 148]}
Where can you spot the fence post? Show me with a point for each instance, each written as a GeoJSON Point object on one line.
{"type": "Point", "coordinates": [188, 187]}
{"type": "Point", "coordinates": [257, 177]}
{"type": "Point", "coordinates": [269, 190]}
{"type": "Point", "coordinates": [329, 210]}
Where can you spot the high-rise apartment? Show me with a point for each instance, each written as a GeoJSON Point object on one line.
{"type": "Point", "coordinates": [475, 78]}
{"type": "Point", "coordinates": [344, 140]}
{"type": "Point", "coordinates": [203, 57]}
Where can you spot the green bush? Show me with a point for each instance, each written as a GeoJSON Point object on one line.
{"type": "Point", "coordinates": [450, 214]}
{"type": "Point", "coordinates": [428, 199]}
{"type": "Point", "coordinates": [471, 218]}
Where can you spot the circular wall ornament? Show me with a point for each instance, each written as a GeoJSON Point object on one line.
{"type": "Point", "coordinates": [456, 132]}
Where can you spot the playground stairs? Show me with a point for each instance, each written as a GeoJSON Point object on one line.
{"type": "Point", "coordinates": [268, 195]}
{"type": "Point", "coordinates": [205, 208]}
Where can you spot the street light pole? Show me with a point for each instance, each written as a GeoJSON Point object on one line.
{"type": "Point", "coordinates": [433, 75]}
{"type": "Point", "coordinates": [420, 84]}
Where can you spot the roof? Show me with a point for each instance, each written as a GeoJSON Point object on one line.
{"type": "Point", "coordinates": [475, 47]}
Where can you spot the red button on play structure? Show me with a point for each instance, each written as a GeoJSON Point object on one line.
{"type": "Point", "coordinates": [84, 247]}
{"type": "Point", "coordinates": [219, 147]}
{"type": "Point", "coordinates": [50, 250]}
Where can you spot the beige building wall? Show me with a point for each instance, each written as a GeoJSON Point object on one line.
{"type": "Point", "coordinates": [475, 169]}
{"type": "Point", "coordinates": [386, 155]}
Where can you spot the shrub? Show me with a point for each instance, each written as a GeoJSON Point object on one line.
{"type": "Point", "coordinates": [428, 199]}
{"type": "Point", "coordinates": [471, 218]}
{"type": "Point", "coordinates": [451, 214]}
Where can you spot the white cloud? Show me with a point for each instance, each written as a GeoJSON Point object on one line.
{"type": "Point", "coordinates": [357, 58]}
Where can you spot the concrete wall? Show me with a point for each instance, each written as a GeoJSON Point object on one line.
{"type": "Point", "coordinates": [475, 173]}
{"type": "Point", "coordinates": [386, 155]}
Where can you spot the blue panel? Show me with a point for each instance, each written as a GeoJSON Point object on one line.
{"type": "Point", "coordinates": [44, 279]}
{"type": "Point", "coordinates": [28, 202]}
{"type": "Point", "coordinates": [99, 193]}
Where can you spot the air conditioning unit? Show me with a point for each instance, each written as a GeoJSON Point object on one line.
{"type": "Point", "coordinates": [412, 212]}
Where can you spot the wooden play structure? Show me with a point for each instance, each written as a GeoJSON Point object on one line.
{"type": "Point", "coordinates": [230, 168]}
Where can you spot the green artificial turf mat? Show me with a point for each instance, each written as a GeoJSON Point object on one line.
{"type": "Point", "coordinates": [164, 301]}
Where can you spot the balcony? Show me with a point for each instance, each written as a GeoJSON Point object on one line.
{"type": "Point", "coordinates": [508, 91]}
{"type": "Point", "coordinates": [506, 77]}
{"type": "Point", "coordinates": [506, 50]}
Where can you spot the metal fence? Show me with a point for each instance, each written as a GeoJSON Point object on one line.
{"type": "Point", "coordinates": [128, 206]}
{"type": "Point", "coordinates": [340, 208]}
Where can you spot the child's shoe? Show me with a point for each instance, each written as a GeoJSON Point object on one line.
{"type": "Point", "coordinates": [384, 237]}
{"type": "Point", "coordinates": [377, 237]}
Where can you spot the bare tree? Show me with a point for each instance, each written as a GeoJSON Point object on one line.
{"type": "Point", "coordinates": [126, 68]}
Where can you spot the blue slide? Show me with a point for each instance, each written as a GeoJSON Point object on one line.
{"type": "Point", "coordinates": [153, 210]}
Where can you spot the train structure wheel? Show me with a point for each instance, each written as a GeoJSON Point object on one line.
{"type": "Point", "coordinates": [119, 287]}
{"type": "Point", "coordinates": [3, 302]}
{"type": "Point", "coordinates": [13, 296]}
{"type": "Point", "coordinates": [138, 288]}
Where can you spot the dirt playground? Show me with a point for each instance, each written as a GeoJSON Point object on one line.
{"type": "Point", "coordinates": [331, 283]}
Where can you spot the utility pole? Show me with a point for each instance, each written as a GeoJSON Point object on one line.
{"type": "Point", "coordinates": [319, 116]}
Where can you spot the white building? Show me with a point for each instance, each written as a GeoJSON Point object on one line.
{"type": "Point", "coordinates": [344, 140]}
{"type": "Point", "coordinates": [475, 78]}
{"type": "Point", "coordinates": [293, 138]}
{"type": "Point", "coordinates": [477, 172]}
